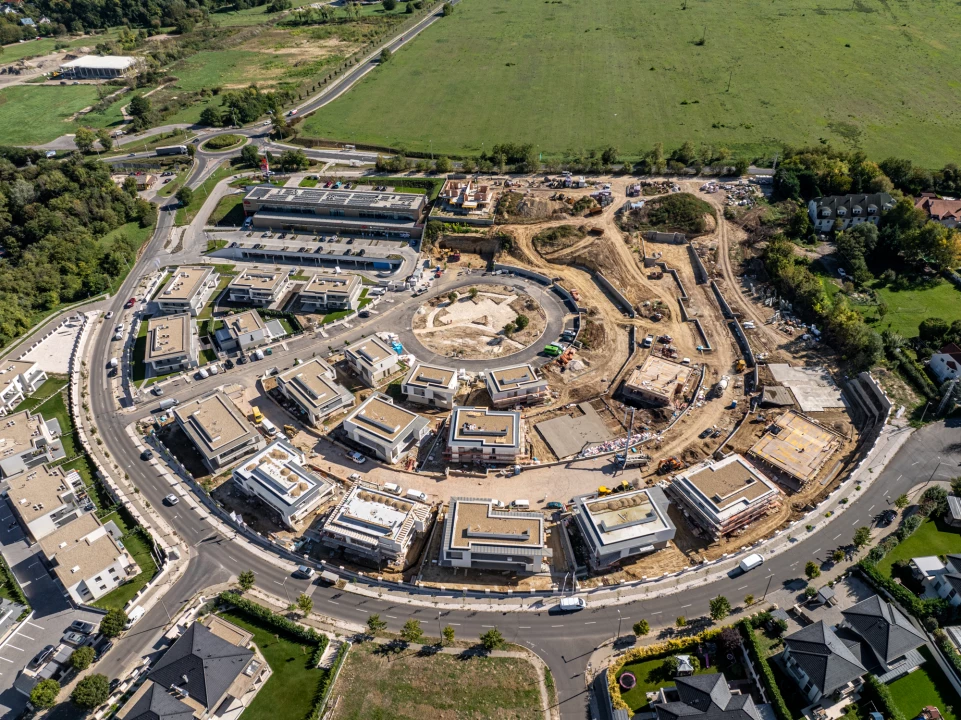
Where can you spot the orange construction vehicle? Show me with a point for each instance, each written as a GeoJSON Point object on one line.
{"type": "Point", "coordinates": [668, 465]}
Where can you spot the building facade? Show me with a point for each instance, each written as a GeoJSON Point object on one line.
{"type": "Point", "coordinates": [478, 535]}
{"type": "Point", "coordinates": [218, 430]}
{"type": "Point", "coordinates": [172, 344]}
{"type": "Point", "coordinates": [257, 287]}
{"type": "Point", "coordinates": [28, 441]}
{"type": "Point", "coordinates": [188, 290]}
{"type": "Point", "coordinates": [312, 387]}
{"type": "Point", "coordinates": [331, 292]}
{"type": "Point", "coordinates": [387, 431]}
{"type": "Point", "coordinates": [44, 499]}
{"type": "Point", "coordinates": [372, 359]}
{"type": "Point", "coordinates": [940, 210]}
{"type": "Point", "coordinates": [515, 385]}
{"type": "Point", "coordinates": [432, 385]}
{"type": "Point", "coordinates": [657, 382]}
{"type": "Point", "coordinates": [18, 378]}
{"type": "Point", "coordinates": [102, 67]}
{"type": "Point", "coordinates": [839, 212]}
{"type": "Point", "coordinates": [483, 435]}
{"type": "Point", "coordinates": [246, 331]}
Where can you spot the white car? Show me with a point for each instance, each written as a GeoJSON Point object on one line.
{"type": "Point", "coordinates": [118, 336]}
{"type": "Point", "coordinates": [119, 328]}
{"type": "Point", "coordinates": [109, 314]}
{"type": "Point", "coordinates": [358, 458]}
{"type": "Point", "coordinates": [171, 499]}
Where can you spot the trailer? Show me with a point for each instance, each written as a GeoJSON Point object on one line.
{"type": "Point", "coordinates": [171, 150]}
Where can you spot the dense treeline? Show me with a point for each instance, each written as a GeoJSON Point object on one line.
{"type": "Point", "coordinates": [53, 216]}
{"type": "Point", "coordinates": [85, 15]}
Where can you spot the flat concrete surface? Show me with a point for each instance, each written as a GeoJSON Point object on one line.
{"type": "Point", "coordinates": [53, 353]}
{"type": "Point", "coordinates": [814, 388]}
{"type": "Point", "coordinates": [569, 434]}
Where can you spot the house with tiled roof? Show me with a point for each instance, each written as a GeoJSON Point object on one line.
{"type": "Point", "coordinates": [946, 362]}
{"type": "Point", "coordinates": [821, 663]}
{"type": "Point", "coordinates": [703, 697]}
{"type": "Point", "coordinates": [943, 578]}
{"type": "Point", "coordinates": [839, 212]}
{"type": "Point", "coordinates": [889, 641]}
{"type": "Point", "coordinates": [941, 210]}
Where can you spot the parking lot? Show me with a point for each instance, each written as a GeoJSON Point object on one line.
{"type": "Point", "coordinates": [52, 611]}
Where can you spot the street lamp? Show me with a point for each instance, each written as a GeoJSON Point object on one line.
{"type": "Point", "coordinates": [618, 625]}
{"type": "Point", "coordinates": [284, 584]}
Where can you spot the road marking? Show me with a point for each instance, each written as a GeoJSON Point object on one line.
{"type": "Point", "coordinates": [233, 558]}
{"type": "Point", "coordinates": [26, 636]}
{"type": "Point", "coordinates": [836, 536]}
{"type": "Point", "coordinates": [278, 583]}
{"type": "Point", "coordinates": [855, 522]}
{"type": "Point", "coordinates": [34, 624]}
{"type": "Point", "coordinates": [742, 587]}
{"type": "Point", "coordinates": [592, 622]}
{"type": "Point", "coordinates": [5, 660]}
{"type": "Point", "coordinates": [870, 508]}
{"type": "Point", "coordinates": [393, 617]}
{"type": "Point", "coordinates": [33, 563]}
{"type": "Point", "coordinates": [684, 606]}
{"type": "Point", "coordinates": [457, 624]}
{"type": "Point", "coordinates": [523, 627]}
{"type": "Point", "coordinates": [656, 613]}
{"type": "Point", "coordinates": [488, 626]}
{"type": "Point", "coordinates": [333, 602]}
{"type": "Point", "coordinates": [557, 626]}
{"type": "Point", "coordinates": [24, 584]}
{"type": "Point", "coordinates": [14, 647]}
{"type": "Point", "coordinates": [814, 551]}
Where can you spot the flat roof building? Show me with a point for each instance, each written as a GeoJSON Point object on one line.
{"type": "Point", "coordinates": [247, 330]}
{"type": "Point", "coordinates": [796, 446]}
{"type": "Point", "coordinates": [724, 497]}
{"type": "Point", "coordinates": [432, 385]}
{"type": "Point", "coordinates": [331, 292]}
{"type": "Point", "coordinates": [386, 430]}
{"type": "Point", "coordinates": [171, 344]}
{"type": "Point", "coordinates": [616, 527]}
{"type": "Point", "coordinates": [27, 441]}
{"type": "Point", "coordinates": [18, 378]}
{"type": "Point", "coordinates": [483, 435]}
{"type": "Point", "coordinates": [657, 381]}
{"type": "Point", "coordinates": [466, 201]}
{"type": "Point", "coordinates": [188, 290]}
{"type": "Point", "coordinates": [86, 559]}
{"type": "Point", "coordinates": [353, 212]}
{"type": "Point", "coordinates": [218, 429]}
{"type": "Point", "coordinates": [277, 476]}
{"type": "Point", "coordinates": [311, 386]}
{"type": "Point", "coordinates": [257, 287]}
{"type": "Point", "coordinates": [375, 525]}
{"type": "Point", "coordinates": [514, 385]}
{"type": "Point", "coordinates": [372, 359]}
{"type": "Point", "coordinates": [101, 67]}
{"type": "Point", "coordinates": [478, 535]}
{"type": "Point", "coordinates": [45, 499]}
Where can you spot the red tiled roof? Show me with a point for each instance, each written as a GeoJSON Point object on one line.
{"type": "Point", "coordinates": [939, 208]}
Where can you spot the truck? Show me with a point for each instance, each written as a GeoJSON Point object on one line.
{"type": "Point", "coordinates": [171, 150]}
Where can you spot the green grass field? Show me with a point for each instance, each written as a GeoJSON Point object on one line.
{"type": "Point", "coordinates": [36, 114]}
{"type": "Point", "coordinates": [925, 686]}
{"type": "Point", "coordinates": [650, 675]}
{"type": "Point", "coordinates": [929, 539]}
{"type": "Point", "coordinates": [907, 308]}
{"type": "Point", "coordinates": [186, 215]}
{"type": "Point", "coordinates": [566, 75]}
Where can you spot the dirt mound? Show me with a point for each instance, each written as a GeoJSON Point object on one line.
{"type": "Point", "coordinates": [677, 212]}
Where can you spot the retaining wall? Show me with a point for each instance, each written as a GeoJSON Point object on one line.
{"type": "Point", "coordinates": [700, 272]}
{"type": "Point", "coordinates": [524, 272]}
{"type": "Point", "coordinates": [664, 237]}
{"type": "Point", "coordinates": [618, 295]}
{"type": "Point", "coordinates": [725, 308]}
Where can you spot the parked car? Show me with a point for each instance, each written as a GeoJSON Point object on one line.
{"type": "Point", "coordinates": [304, 571]}
{"type": "Point", "coordinates": [103, 650]}
{"type": "Point", "coordinates": [109, 314]}
{"type": "Point", "coordinates": [554, 505]}
{"type": "Point", "coordinates": [157, 390]}
{"type": "Point", "coordinates": [74, 638]}
{"type": "Point", "coordinates": [358, 458]}
{"type": "Point", "coordinates": [82, 626]}
{"type": "Point", "coordinates": [41, 657]}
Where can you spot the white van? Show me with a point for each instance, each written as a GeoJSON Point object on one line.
{"type": "Point", "coordinates": [203, 374]}
{"type": "Point", "coordinates": [133, 616]}
{"type": "Point", "coordinates": [393, 488]}
{"type": "Point", "coordinates": [268, 427]}
{"type": "Point", "coordinates": [213, 368]}
{"type": "Point", "coordinates": [417, 495]}
{"type": "Point", "coordinates": [521, 504]}
{"type": "Point", "coordinates": [750, 562]}
{"type": "Point", "coordinates": [572, 604]}
{"type": "Point", "coordinates": [114, 362]}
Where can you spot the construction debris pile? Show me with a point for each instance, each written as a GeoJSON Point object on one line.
{"type": "Point", "coordinates": [738, 194]}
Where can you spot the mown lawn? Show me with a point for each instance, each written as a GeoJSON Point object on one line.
{"type": "Point", "coordinates": [35, 114]}
{"type": "Point", "coordinates": [651, 675]}
{"type": "Point", "coordinates": [139, 548]}
{"type": "Point", "coordinates": [932, 538]}
{"type": "Point", "coordinates": [185, 215]}
{"type": "Point", "coordinates": [907, 308]}
{"type": "Point", "coordinates": [229, 211]}
{"type": "Point", "coordinates": [290, 691]}
{"type": "Point", "coordinates": [374, 685]}
{"type": "Point", "coordinates": [925, 686]}
{"type": "Point", "coordinates": [55, 406]}
{"type": "Point", "coordinates": [631, 73]}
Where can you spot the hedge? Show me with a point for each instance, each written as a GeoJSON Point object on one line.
{"type": "Point", "coordinates": [306, 634]}
{"type": "Point", "coordinates": [10, 582]}
{"type": "Point", "coordinates": [649, 651]}
{"type": "Point", "coordinates": [326, 685]}
{"type": "Point", "coordinates": [767, 675]}
{"type": "Point", "coordinates": [877, 692]}
{"type": "Point", "coordinates": [915, 374]}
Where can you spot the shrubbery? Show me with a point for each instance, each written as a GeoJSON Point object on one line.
{"type": "Point", "coordinates": [771, 688]}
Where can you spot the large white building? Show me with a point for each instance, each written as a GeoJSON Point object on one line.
{"type": "Point", "coordinates": [218, 430]}
{"type": "Point", "coordinates": [172, 344]}
{"type": "Point", "coordinates": [515, 385]}
{"type": "Point", "coordinates": [247, 330]}
{"type": "Point", "coordinates": [375, 525]}
{"type": "Point", "coordinates": [277, 476]}
{"type": "Point", "coordinates": [101, 67]}
{"type": "Point", "coordinates": [258, 287]}
{"type": "Point", "coordinates": [28, 441]}
{"type": "Point", "coordinates": [482, 435]}
{"type": "Point", "coordinates": [386, 430]}
{"type": "Point", "coordinates": [372, 359]}
{"type": "Point", "coordinates": [87, 560]}
{"type": "Point", "coordinates": [45, 499]}
{"type": "Point", "coordinates": [18, 378]}
{"type": "Point", "coordinates": [480, 536]}
{"type": "Point", "coordinates": [188, 290]}
{"type": "Point", "coordinates": [432, 385]}
{"type": "Point", "coordinates": [331, 292]}
{"type": "Point", "coordinates": [312, 387]}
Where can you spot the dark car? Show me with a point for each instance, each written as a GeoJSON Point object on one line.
{"type": "Point", "coordinates": [40, 658]}
{"type": "Point", "coordinates": [146, 454]}
{"type": "Point", "coordinates": [104, 649]}
{"type": "Point", "coordinates": [705, 433]}
{"type": "Point", "coordinates": [130, 303]}
{"type": "Point", "coordinates": [554, 506]}
{"type": "Point", "coordinates": [242, 360]}
{"type": "Point", "coordinates": [81, 626]}
{"type": "Point", "coordinates": [886, 518]}
{"type": "Point", "coordinates": [228, 364]}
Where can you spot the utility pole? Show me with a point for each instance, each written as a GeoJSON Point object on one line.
{"type": "Point", "coordinates": [618, 624]}
{"type": "Point", "coordinates": [769, 578]}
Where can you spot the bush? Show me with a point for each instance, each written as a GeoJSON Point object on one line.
{"type": "Point", "coordinates": [677, 212]}
{"type": "Point", "coordinates": [82, 657]}
{"type": "Point", "coordinates": [44, 694]}
{"type": "Point", "coordinates": [307, 635]}
{"type": "Point", "coordinates": [764, 669]}
{"type": "Point", "coordinates": [877, 692]}
{"type": "Point", "coordinates": [219, 142]}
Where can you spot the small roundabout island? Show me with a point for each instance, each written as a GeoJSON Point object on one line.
{"type": "Point", "coordinates": [224, 142]}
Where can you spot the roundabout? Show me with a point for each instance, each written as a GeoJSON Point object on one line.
{"type": "Point", "coordinates": [469, 330]}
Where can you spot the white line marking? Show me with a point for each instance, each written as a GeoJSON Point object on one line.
{"type": "Point", "coordinates": [592, 622]}
{"type": "Point", "coordinates": [5, 660]}
{"type": "Point", "coordinates": [656, 613]}
{"type": "Point", "coordinates": [488, 626]}
{"type": "Point", "coordinates": [392, 617]}
{"type": "Point", "coordinates": [742, 587]}
{"type": "Point", "coordinates": [557, 626]}
{"type": "Point", "coordinates": [523, 627]}
{"type": "Point", "coordinates": [26, 636]}
{"type": "Point", "coordinates": [684, 606]}
{"type": "Point", "coordinates": [836, 536]}
{"type": "Point", "coordinates": [870, 508]}
{"type": "Point", "coordinates": [14, 647]}
{"type": "Point", "coordinates": [457, 624]}
{"type": "Point", "coordinates": [333, 602]}
{"type": "Point", "coordinates": [34, 624]}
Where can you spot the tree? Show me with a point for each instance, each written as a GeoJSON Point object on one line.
{"type": "Point", "coordinates": [249, 155]}
{"type": "Point", "coordinates": [901, 502]}
{"type": "Point", "coordinates": [812, 570]}
{"type": "Point", "coordinates": [443, 164]}
{"type": "Point", "coordinates": [81, 658]}
{"type": "Point", "coordinates": [106, 142]}
{"type": "Point", "coordinates": [411, 632]}
{"type": "Point", "coordinates": [838, 555]}
{"type": "Point", "coordinates": [185, 195]}
{"type": "Point", "coordinates": [385, 55]}
{"type": "Point", "coordinates": [293, 160]}
{"type": "Point", "coordinates": [720, 608]}
{"type": "Point", "coordinates": [492, 639]}
{"type": "Point", "coordinates": [211, 117]}
{"type": "Point", "coordinates": [934, 501]}
{"type": "Point", "coordinates": [609, 155]}
{"type": "Point", "coordinates": [956, 486]}
{"type": "Point", "coordinates": [91, 691]}
{"type": "Point", "coordinates": [452, 296]}
{"type": "Point", "coordinates": [389, 4]}
{"type": "Point", "coordinates": [246, 580]}
{"type": "Point", "coordinates": [44, 694]}
{"type": "Point", "coordinates": [139, 106]}
{"type": "Point", "coordinates": [522, 321]}
{"type": "Point", "coordinates": [810, 592]}
{"type": "Point", "coordinates": [779, 627]}
{"type": "Point", "coordinates": [473, 292]}
{"type": "Point", "coordinates": [932, 330]}
{"type": "Point", "coordinates": [729, 641]}
{"type": "Point", "coordinates": [681, 621]}
{"type": "Point", "coordinates": [862, 536]}
{"type": "Point", "coordinates": [509, 329]}
{"type": "Point", "coordinates": [375, 624]}
{"type": "Point", "coordinates": [642, 627]}
{"type": "Point", "coordinates": [305, 604]}
{"type": "Point", "coordinates": [113, 623]}
{"type": "Point", "coordinates": [130, 185]}
{"type": "Point", "coordinates": [448, 631]}
{"type": "Point", "coordinates": [84, 140]}
{"type": "Point", "coordinates": [448, 9]}
{"type": "Point", "coordinates": [749, 600]}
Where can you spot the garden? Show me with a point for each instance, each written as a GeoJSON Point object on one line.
{"type": "Point", "coordinates": [925, 686]}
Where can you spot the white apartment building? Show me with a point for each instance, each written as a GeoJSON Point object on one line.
{"type": "Point", "coordinates": [18, 378]}
{"type": "Point", "coordinates": [432, 385]}
{"type": "Point", "coordinates": [218, 429]}
{"type": "Point", "coordinates": [483, 435]}
{"type": "Point", "coordinates": [372, 359]}
{"type": "Point", "coordinates": [87, 560]}
{"type": "Point", "coordinates": [258, 287]}
{"type": "Point", "coordinates": [478, 535]}
{"type": "Point", "coordinates": [45, 499]}
{"type": "Point", "coordinates": [172, 344]}
{"type": "Point", "coordinates": [331, 292]}
{"type": "Point", "coordinates": [188, 290]}
{"type": "Point", "coordinates": [247, 330]}
{"type": "Point", "coordinates": [277, 476]}
{"type": "Point", "coordinates": [28, 441]}
{"type": "Point", "coordinates": [515, 385]}
{"type": "Point", "coordinates": [386, 430]}
{"type": "Point", "coordinates": [311, 386]}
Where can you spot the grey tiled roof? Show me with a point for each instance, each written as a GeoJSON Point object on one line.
{"type": "Point", "coordinates": [823, 657]}
{"type": "Point", "coordinates": [209, 663]}
{"type": "Point", "coordinates": [954, 580]}
{"type": "Point", "coordinates": [158, 704]}
{"type": "Point", "coordinates": [707, 697]}
{"type": "Point", "coordinates": [884, 628]}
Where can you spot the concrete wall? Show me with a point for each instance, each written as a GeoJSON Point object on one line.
{"type": "Point", "coordinates": [664, 237]}
{"type": "Point", "coordinates": [523, 272]}
{"type": "Point", "coordinates": [618, 296]}
{"type": "Point", "coordinates": [700, 272]}
{"type": "Point", "coordinates": [725, 308]}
